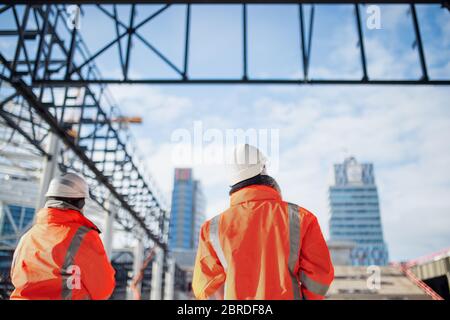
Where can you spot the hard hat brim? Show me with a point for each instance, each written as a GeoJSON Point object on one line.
{"type": "Point", "coordinates": [248, 173]}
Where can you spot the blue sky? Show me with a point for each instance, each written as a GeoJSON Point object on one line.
{"type": "Point", "coordinates": [403, 130]}
{"type": "Point", "coordinates": [273, 41]}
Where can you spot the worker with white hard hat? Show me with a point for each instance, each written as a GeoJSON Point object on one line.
{"type": "Point", "coordinates": [62, 257]}
{"type": "Point", "coordinates": [261, 247]}
{"type": "Point", "coordinates": [67, 191]}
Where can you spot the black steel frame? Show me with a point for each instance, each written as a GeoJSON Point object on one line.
{"type": "Point", "coordinates": [94, 145]}
{"type": "Point", "coordinates": [64, 73]}
{"type": "Point", "coordinates": [443, 2]}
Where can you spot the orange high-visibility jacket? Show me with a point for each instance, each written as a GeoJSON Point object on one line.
{"type": "Point", "coordinates": [61, 257]}
{"type": "Point", "coordinates": [262, 248]}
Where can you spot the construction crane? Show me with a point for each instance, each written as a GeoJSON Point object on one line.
{"type": "Point", "coordinates": [127, 120]}
{"type": "Point", "coordinates": [123, 121]}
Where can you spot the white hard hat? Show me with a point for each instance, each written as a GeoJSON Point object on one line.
{"type": "Point", "coordinates": [68, 185]}
{"type": "Point", "coordinates": [248, 162]}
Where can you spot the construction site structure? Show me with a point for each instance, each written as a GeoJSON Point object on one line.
{"type": "Point", "coordinates": [55, 97]}
{"type": "Point", "coordinates": [24, 176]}
{"type": "Point", "coordinates": [434, 271]}
{"type": "Point", "coordinates": [360, 283]}
{"type": "Point", "coordinates": [425, 278]}
{"type": "Point", "coordinates": [46, 131]}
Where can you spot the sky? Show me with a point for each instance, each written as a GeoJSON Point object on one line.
{"type": "Point", "coordinates": [402, 130]}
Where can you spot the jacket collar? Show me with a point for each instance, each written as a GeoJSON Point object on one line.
{"type": "Point", "coordinates": [60, 204]}
{"type": "Point", "coordinates": [254, 193]}
{"type": "Point", "coordinates": [260, 179]}
{"type": "Point", "coordinates": [63, 217]}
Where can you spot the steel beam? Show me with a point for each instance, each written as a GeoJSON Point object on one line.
{"type": "Point", "coordinates": [52, 77]}
{"type": "Point", "coordinates": [223, 1]}
{"type": "Point", "coordinates": [76, 83]}
{"type": "Point", "coordinates": [11, 123]}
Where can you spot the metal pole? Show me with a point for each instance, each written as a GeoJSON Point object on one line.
{"type": "Point", "coordinates": [41, 42]}
{"type": "Point", "coordinates": [423, 64]}
{"type": "Point", "coordinates": [137, 265]}
{"type": "Point", "coordinates": [244, 41]}
{"type": "Point", "coordinates": [169, 286]}
{"type": "Point", "coordinates": [69, 61]}
{"type": "Point", "coordinates": [109, 225]}
{"type": "Point", "coordinates": [2, 218]}
{"type": "Point", "coordinates": [186, 40]}
{"type": "Point", "coordinates": [310, 33]}
{"type": "Point", "coordinates": [157, 273]}
{"type": "Point", "coordinates": [302, 39]}
{"type": "Point", "coordinates": [361, 42]}
{"type": "Point", "coordinates": [130, 36]}
{"type": "Point", "coordinates": [50, 168]}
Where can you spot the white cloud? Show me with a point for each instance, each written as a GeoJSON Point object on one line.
{"type": "Point", "coordinates": [401, 130]}
{"type": "Point", "coordinates": [150, 103]}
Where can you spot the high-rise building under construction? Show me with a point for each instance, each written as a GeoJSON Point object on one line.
{"type": "Point", "coordinates": [355, 212]}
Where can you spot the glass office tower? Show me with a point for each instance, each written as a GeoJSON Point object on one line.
{"type": "Point", "coordinates": [187, 212]}
{"type": "Point", "coordinates": [355, 212]}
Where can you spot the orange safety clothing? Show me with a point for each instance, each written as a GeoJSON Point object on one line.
{"type": "Point", "coordinates": [262, 248]}
{"type": "Point", "coordinates": [61, 257]}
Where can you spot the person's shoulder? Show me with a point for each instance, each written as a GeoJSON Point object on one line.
{"type": "Point", "coordinates": [217, 217]}
{"type": "Point", "coordinates": [92, 240]}
{"type": "Point", "coordinates": [306, 213]}
{"type": "Point", "coordinates": [205, 225]}
{"type": "Point", "coordinates": [303, 212]}
{"type": "Point", "coordinates": [33, 234]}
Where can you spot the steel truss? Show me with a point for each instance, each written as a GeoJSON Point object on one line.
{"type": "Point", "coordinates": [76, 70]}
{"type": "Point", "coordinates": [81, 117]}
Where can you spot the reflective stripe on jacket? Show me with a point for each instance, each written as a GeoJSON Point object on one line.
{"type": "Point", "coordinates": [262, 248]}
{"type": "Point", "coordinates": [61, 257]}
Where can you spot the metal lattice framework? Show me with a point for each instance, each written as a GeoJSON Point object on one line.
{"type": "Point", "coordinates": [76, 70]}
{"type": "Point", "coordinates": [95, 146]}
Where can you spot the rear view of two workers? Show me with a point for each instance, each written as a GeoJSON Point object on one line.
{"type": "Point", "coordinates": [260, 248]}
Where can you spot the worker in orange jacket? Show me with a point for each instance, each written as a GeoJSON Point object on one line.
{"type": "Point", "coordinates": [62, 257]}
{"type": "Point", "coordinates": [261, 247]}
